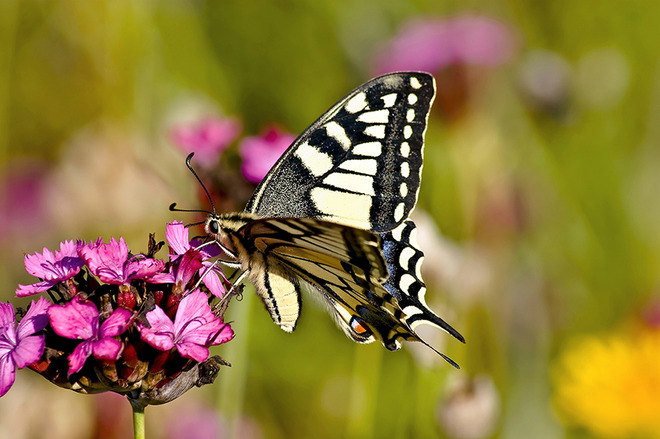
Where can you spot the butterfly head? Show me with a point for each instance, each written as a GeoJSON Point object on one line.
{"type": "Point", "coordinates": [224, 229]}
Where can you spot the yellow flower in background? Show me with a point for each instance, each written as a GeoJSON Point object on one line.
{"type": "Point", "coordinates": [611, 385]}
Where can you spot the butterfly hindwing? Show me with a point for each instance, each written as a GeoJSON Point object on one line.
{"type": "Point", "coordinates": [360, 163]}
{"type": "Point", "coordinates": [346, 268]}
{"type": "Point", "coordinates": [343, 263]}
{"type": "Point", "coordinates": [404, 263]}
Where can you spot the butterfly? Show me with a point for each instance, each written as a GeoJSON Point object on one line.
{"type": "Point", "coordinates": [332, 217]}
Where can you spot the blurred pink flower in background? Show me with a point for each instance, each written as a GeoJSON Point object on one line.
{"type": "Point", "coordinates": [433, 44]}
{"type": "Point", "coordinates": [22, 196]}
{"type": "Point", "coordinates": [208, 139]}
{"type": "Point", "coordinates": [200, 422]}
{"type": "Point", "coordinates": [259, 153]}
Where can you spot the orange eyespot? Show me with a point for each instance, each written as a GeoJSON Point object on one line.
{"type": "Point", "coordinates": [359, 326]}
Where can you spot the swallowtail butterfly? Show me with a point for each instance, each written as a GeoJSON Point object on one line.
{"type": "Point", "coordinates": [332, 214]}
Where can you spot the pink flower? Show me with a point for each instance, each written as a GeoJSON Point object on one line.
{"type": "Point", "coordinates": [194, 329]}
{"type": "Point", "coordinates": [80, 320]}
{"type": "Point", "coordinates": [52, 267]}
{"type": "Point", "coordinates": [177, 238]}
{"type": "Point", "coordinates": [19, 346]}
{"type": "Point", "coordinates": [259, 153]}
{"type": "Point", "coordinates": [111, 263]}
{"type": "Point", "coordinates": [208, 139]}
{"type": "Point", "coordinates": [433, 44]}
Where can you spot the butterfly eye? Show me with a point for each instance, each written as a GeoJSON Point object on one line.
{"type": "Point", "coordinates": [214, 227]}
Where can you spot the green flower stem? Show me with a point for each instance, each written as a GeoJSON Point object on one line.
{"type": "Point", "coordinates": [138, 422]}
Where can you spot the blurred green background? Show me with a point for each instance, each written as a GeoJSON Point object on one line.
{"type": "Point", "coordinates": [538, 206]}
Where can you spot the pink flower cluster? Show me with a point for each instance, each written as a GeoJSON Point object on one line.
{"type": "Point", "coordinates": [127, 323]}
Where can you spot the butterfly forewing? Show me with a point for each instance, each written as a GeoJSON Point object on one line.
{"type": "Point", "coordinates": [360, 163]}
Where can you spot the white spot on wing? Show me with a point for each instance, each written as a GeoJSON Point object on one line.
{"type": "Point", "coordinates": [351, 182]}
{"type": "Point", "coordinates": [411, 310]}
{"type": "Point", "coordinates": [363, 166]}
{"type": "Point", "coordinates": [397, 233]}
{"type": "Point", "coordinates": [356, 103]}
{"type": "Point", "coordinates": [405, 169]}
{"type": "Point", "coordinates": [404, 257]}
{"type": "Point", "coordinates": [418, 268]}
{"type": "Point", "coordinates": [378, 116]}
{"type": "Point", "coordinates": [407, 131]}
{"type": "Point", "coordinates": [371, 149]}
{"type": "Point", "coordinates": [337, 132]}
{"type": "Point", "coordinates": [377, 131]}
{"type": "Point", "coordinates": [414, 83]}
{"type": "Point", "coordinates": [352, 209]}
{"type": "Point", "coordinates": [389, 100]}
{"type": "Point", "coordinates": [412, 98]}
{"type": "Point", "coordinates": [405, 149]}
{"type": "Point", "coordinates": [406, 281]}
{"type": "Point", "coordinates": [399, 211]}
{"type": "Point", "coordinates": [403, 189]}
{"type": "Point", "coordinates": [317, 162]}
{"type": "Point", "coordinates": [410, 115]}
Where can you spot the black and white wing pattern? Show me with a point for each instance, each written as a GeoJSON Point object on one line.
{"type": "Point", "coordinates": [332, 215]}
{"type": "Point", "coordinates": [360, 163]}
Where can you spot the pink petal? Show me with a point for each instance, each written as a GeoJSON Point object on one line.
{"type": "Point", "coordinates": [143, 268]}
{"type": "Point", "coordinates": [226, 334]}
{"type": "Point", "coordinates": [161, 333]}
{"type": "Point", "coordinates": [75, 319]}
{"type": "Point", "coordinates": [7, 373]}
{"type": "Point", "coordinates": [35, 264]}
{"type": "Point", "coordinates": [39, 287]}
{"type": "Point", "coordinates": [177, 237]}
{"type": "Point", "coordinates": [193, 351]}
{"type": "Point", "coordinates": [193, 344]}
{"type": "Point", "coordinates": [161, 278]}
{"type": "Point", "coordinates": [117, 323]}
{"type": "Point", "coordinates": [202, 335]}
{"type": "Point", "coordinates": [78, 357]}
{"type": "Point", "coordinates": [35, 319]}
{"type": "Point", "coordinates": [213, 282]}
{"type": "Point", "coordinates": [6, 314]}
{"type": "Point", "coordinates": [193, 311]}
{"type": "Point", "coordinates": [190, 262]}
{"type": "Point", "coordinates": [29, 350]}
{"type": "Point", "coordinates": [68, 249]}
{"type": "Point", "coordinates": [107, 349]}
{"type": "Point", "coordinates": [106, 261]}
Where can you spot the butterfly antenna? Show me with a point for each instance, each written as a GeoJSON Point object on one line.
{"type": "Point", "coordinates": [173, 208]}
{"type": "Point", "coordinates": [208, 195]}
